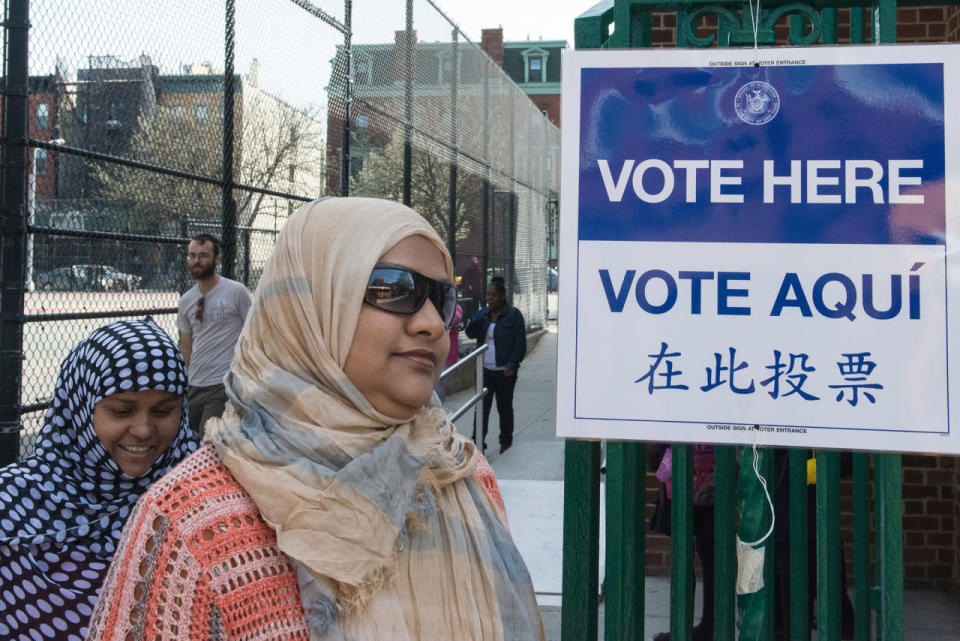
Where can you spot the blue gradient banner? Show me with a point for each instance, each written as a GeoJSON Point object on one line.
{"type": "Point", "coordinates": [856, 154]}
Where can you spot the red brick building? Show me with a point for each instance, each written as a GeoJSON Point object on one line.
{"type": "Point", "coordinates": [533, 64]}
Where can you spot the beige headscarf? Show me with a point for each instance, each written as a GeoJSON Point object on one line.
{"type": "Point", "coordinates": [367, 506]}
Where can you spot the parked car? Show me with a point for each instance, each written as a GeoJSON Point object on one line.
{"type": "Point", "coordinates": [98, 278]}
{"type": "Point", "coordinates": [59, 279]}
{"type": "Point", "coordinates": [122, 282]}
{"type": "Point", "coordinates": [553, 279]}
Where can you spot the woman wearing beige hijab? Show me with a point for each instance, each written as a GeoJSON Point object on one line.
{"type": "Point", "coordinates": [331, 501]}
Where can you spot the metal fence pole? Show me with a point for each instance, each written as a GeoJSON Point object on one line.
{"type": "Point", "coordinates": [347, 99]}
{"type": "Point", "coordinates": [478, 409]}
{"type": "Point", "coordinates": [828, 545]}
{"type": "Point", "coordinates": [681, 544]}
{"type": "Point", "coordinates": [799, 545]}
{"type": "Point", "coordinates": [485, 199]}
{"type": "Point", "coordinates": [452, 222]}
{"type": "Point", "coordinates": [13, 226]}
{"type": "Point", "coordinates": [888, 483]}
{"type": "Point", "coordinates": [408, 105]}
{"type": "Point", "coordinates": [581, 540]}
{"type": "Point", "coordinates": [246, 255]}
{"type": "Point", "coordinates": [227, 202]}
{"type": "Point", "coordinates": [625, 535]}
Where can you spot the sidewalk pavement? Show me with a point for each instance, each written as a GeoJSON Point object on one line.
{"type": "Point", "coordinates": [530, 475]}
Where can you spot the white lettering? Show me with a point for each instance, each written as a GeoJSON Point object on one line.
{"type": "Point", "coordinates": [815, 181]}
{"type": "Point", "coordinates": [897, 181]}
{"type": "Point", "coordinates": [770, 180]}
{"type": "Point", "coordinates": [615, 191]}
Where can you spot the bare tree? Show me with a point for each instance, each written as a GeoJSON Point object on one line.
{"type": "Point", "coordinates": [277, 147]}
{"type": "Point", "coordinates": [382, 177]}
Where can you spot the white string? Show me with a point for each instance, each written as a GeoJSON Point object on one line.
{"type": "Point", "coordinates": [755, 22]}
{"type": "Point", "coordinates": [763, 484]}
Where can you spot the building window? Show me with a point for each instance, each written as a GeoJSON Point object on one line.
{"type": "Point", "coordinates": [43, 116]}
{"type": "Point", "coordinates": [361, 72]}
{"type": "Point", "coordinates": [41, 161]}
{"type": "Point", "coordinates": [177, 107]}
{"type": "Point", "coordinates": [535, 64]}
{"type": "Point", "coordinates": [535, 71]}
{"type": "Point", "coordinates": [361, 122]}
{"type": "Point", "coordinates": [202, 111]}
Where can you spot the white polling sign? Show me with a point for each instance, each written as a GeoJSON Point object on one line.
{"type": "Point", "coordinates": [761, 238]}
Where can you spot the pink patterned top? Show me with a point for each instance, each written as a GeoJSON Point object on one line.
{"type": "Point", "coordinates": [197, 562]}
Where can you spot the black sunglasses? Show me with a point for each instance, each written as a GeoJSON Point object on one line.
{"type": "Point", "coordinates": [400, 290]}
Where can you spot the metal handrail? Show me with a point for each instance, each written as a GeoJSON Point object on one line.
{"type": "Point", "coordinates": [480, 390]}
{"type": "Point", "coordinates": [463, 361]}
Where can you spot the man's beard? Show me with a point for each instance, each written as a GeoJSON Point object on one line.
{"type": "Point", "coordinates": [206, 273]}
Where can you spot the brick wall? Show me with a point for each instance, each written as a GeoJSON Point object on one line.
{"type": "Point", "coordinates": [929, 520]}
{"type": "Point", "coordinates": [953, 24]}
{"type": "Point", "coordinates": [914, 24]}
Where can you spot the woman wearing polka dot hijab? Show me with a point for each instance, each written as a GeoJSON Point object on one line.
{"type": "Point", "coordinates": [116, 424]}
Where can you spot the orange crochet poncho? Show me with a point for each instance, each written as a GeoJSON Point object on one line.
{"type": "Point", "coordinates": [198, 563]}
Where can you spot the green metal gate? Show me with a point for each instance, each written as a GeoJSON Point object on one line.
{"type": "Point", "coordinates": [878, 600]}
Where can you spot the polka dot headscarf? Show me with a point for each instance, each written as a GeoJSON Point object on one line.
{"type": "Point", "coordinates": [62, 510]}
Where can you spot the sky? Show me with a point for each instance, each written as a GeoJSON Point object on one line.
{"type": "Point", "coordinates": [293, 49]}
{"type": "Point", "coordinates": [520, 19]}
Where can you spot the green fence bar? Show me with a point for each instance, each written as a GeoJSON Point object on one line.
{"type": "Point", "coordinates": [626, 532]}
{"type": "Point", "coordinates": [725, 544]}
{"type": "Point", "coordinates": [888, 480]}
{"type": "Point", "coordinates": [681, 544]}
{"type": "Point", "coordinates": [884, 21]}
{"type": "Point", "coordinates": [856, 25]}
{"type": "Point", "coordinates": [828, 546]}
{"type": "Point", "coordinates": [590, 28]}
{"type": "Point", "coordinates": [581, 540]}
{"type": "Point", "coordinates": [769, 559]}
{"type": "Point", "coordinates": [799, 545]}
{"type": "Point", "coordinates": [861, 548]}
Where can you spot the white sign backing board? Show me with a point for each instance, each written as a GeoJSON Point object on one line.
{"type": "Point", "coordinates": [761, 238]}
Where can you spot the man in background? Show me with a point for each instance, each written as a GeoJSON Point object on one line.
{"type": "Point", "coordinates": [210, 317]}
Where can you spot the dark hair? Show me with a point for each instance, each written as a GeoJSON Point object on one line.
{"type": "Point", "coordinates": [499, 284]}
{"type": "Point", "coordinates": [208, 238]}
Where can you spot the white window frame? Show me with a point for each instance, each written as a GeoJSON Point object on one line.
{"type": "Point", "coordinates": [535, 52]}
{"type": "Point", "coordinates": [45, 109]}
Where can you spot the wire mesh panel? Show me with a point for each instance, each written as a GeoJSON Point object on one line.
{"type": "Point", "coordinates": [149, 123]}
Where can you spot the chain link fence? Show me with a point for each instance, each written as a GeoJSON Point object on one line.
{"type": "Point", "coordinates": [131, 126]}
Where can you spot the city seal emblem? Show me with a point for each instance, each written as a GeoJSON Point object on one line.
{"type": "Point", "coordinates": [757, 103]}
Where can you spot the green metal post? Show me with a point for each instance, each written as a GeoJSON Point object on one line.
{"type": "Point", "coordinates": [590, 28]}
{"type": "Point", "coordinates": [856, 25]}
{"type": "Point", "coordinates": [581, 474]}
{"type": "Point", "coordinates": [581, 538]}
{"type": "Point", "coordinates": [681, 544]}
{"type": "Point", "coordinates": [641, 29]}
{"type": "Point", "coordinates": [861, 548]}
{"type": "Point", "coordinates": [884, 21]}
{"type": "Point", "coordinates": [799, 545]}
{"type": "Point", "coordinates": [828, 33]}
{"type": "Point", "coordinates": [620, 38]}
{"type": "Point", "coordinates": [888, 478]}
{"type": "Point", "coordinates": [889, 486]}
{"type": "Point", "coordinates": [626, 503]}
{"type": "Point", "coordinates": [828, 546]}
{"type": "Point", "coordinates": [725, 546]}
{"type": "Point", "coordinates": [769, 553]}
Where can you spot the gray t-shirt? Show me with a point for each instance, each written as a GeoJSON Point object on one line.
{"type": "Point", "coordinates": [215, 337]}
